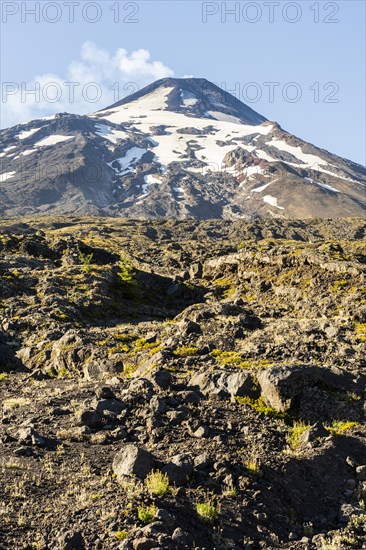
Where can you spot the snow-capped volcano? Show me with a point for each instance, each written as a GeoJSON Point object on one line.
{"type": "Point", "coordinates": [179, 148]}
{"type": "Point", "coordinates": [195, 97]}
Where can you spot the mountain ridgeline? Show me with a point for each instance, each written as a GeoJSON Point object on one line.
{"type": "Point", "coordinates": [179, 148]}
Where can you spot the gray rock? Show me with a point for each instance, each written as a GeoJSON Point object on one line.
{"type": "Point", "coordinates": [361, 473]}
{"type": "Point", "coordinates": [174, 291]}
{"type": "Point", "coordinates": [143, 543]}
{"type": "Point", "coordinates": [187, 327]}
{"type": "Point", "coordinates": [280, 385]}
{"type": "Point", "coordinates": [223, 384]}
{"type": "Point", "coordinates": [158, 404]}
{"type": "Point", "coordinates": [71, 540]}
{"type": "Point", "coordinates": [179, 469]}
{"type": "Point", "coordinates": [90, 418]}
{"type": "Point", "coordinates": [191, 397]}
{"type": "Point", "coordinates": [196, 271]}
{"type": "Point", "coordinates": [347, 510]}
{"type": "Point", "coordinates": [110, 407]}
{"type": "Point", "coordinates": [201, 431]}
{"type": "Point", "coordinates": [105, 393]}
{"type": "Point", "coordinates": [164, 516]}
{"type": "Point", "coordinates": [181, 537]}
{"type": "Point", "coordinates": [29, 436]}
{"type": "Point", "coordinates": [202, 461]}
{"type": "Point", "coordinates": [312, 436]}
{"type": "Point", "coordinates": [132, 460]}
{"type": "Point", "coordinates": [162, 378]}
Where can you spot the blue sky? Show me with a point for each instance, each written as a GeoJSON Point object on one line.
{"type": "Point", "coordinates": [310, 51]}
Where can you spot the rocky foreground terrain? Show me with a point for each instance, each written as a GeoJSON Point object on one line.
{"type": "Point", "coordinates": [182, 384]}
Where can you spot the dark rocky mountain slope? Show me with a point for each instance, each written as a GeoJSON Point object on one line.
{"type": "Point", "coordinates": [179, 148]}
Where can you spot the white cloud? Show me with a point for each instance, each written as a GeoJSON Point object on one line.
{"type": "Point", "coordinates": [96, 80]}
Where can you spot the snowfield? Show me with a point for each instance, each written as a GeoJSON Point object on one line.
{"type": "Point", "coordinates": [52, 140]}
{"type": "Point", "coordinates": [132, 156]}
{"type": "Point", "coordinates": [150, 111]}
{"type": "Point", "coordinates": [272, 201]}
{"type": "Point", "coordinates": [6, 176]}
{"type": "Point", "coordinates": [27, 133]}
{"type": "Point", "coordinates": [111, 134]}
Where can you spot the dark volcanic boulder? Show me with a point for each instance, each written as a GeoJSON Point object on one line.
{"type": "Point", "coordinates": [281, 385]}
{"type": "Point", "coordinates": [222, 383]}
{"type": "Point", "coordinates": [132, 460]}
{"type": "Point", "coordinates": [179, 469]}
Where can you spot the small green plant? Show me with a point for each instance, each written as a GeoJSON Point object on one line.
{"type": "Point", "coordinates": [252, 466]}
{"type": "Point", "coordinates": [294, 435]}
{"type": "Point", "coordinates": [338, 427]}
{"type": "Point", "coordinates": [146, 514]}
{"type": "Point", "coordinates": [207, 511]}
{"type": "Point", "coordinates": [85, 259]}
{"type": "Point", "coordinates": [3, 375]}
{"type": "Point", "coordinates": [63, 372]}
{"type": "Point", "coordinates": [121, 535]}
{"type": "Point", "coordinates": [232, 358]}
{"type": "Point", "coordinates": [126, 273]}
{"type": "Point", "coordinates": [230, 492]}
{"type": "Point", "coordinates": [360, 330]}
{"type": "Point", "coordinates": [185, 351]}
{"type": "Point", "coordinates": [141, 344]}
{"type": "Point", "coordinates": [125, 336]}
{"type": "Point", "coordinates": [259, 406]}
{"type": "Point", "coordinates": [339, 284]}
{"type": "Point", "coordinates": [157, 483]}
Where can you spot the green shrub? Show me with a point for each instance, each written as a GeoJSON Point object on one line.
{"type": "Point", "coordinates": [85, 259]}
{"type": "Point", "coordinates": [126, 273]}
{"type": "Point", "coordinates": [259, 406]}
{"type": "Point", "coordinates": [360, 330]}
{"type": "Point", "coordinates": [146, 514]}
{"type": "Point", "coordinates": [125, 336]}
{"type": "Point", "coordinates": [185, 351]}
{"type": "Point", "coordinates": [252, 466]}
{"type": "Point", "coordinates": [157, 483]}
{"type": "Point", "coordinates": [121, 535]}
{"type": "Point", "coordinates": [207, 511]}
{"type": "Point", "coordinates": [294, 436]}
{"type": "Point", "coordinates": [340, 426]}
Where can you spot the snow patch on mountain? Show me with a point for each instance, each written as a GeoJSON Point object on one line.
{"type": "Point", "coordinates": [263, 155]}
{"type": "Point", "coordinates": [311, 161]}
{"type": "Point", "coordinates": [150, 111]}
{"type": "Point", "coordinates": [188, 99]}
{"type": "Point", "coordinates": [25, 153]}
{"type": "Point", "coordinates": [150, 179]}
{"type": "Point", "coordinates": [6, 150]}
{"type": "Point", "coordinates": [111, 134]}
{"type": "Point", "coordinates": [261, 188]}
{"type": "Point", "coordinates": [155, 101]}
{"type": "Point", "coordinates": [272, 201]}
{"type": "Point", "coordinates": [6, 176]}
{"type": "Point", "coordinates": [324, 186]}
{"type": "Point", "coordinates": [27, 133]}
{"type": "Point", "coordinates": [125, 163]}
{"type": "Point", "coordinates": [218, 115]}
{"type": "Point", "coordinates": [52, 140]}
{"type": "Point", "coordinates": [252, 170]}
